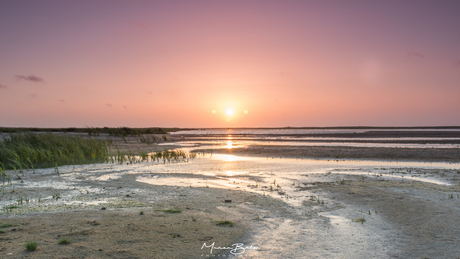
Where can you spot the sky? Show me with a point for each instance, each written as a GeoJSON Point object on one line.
{"type": "Point", "coordinates": [192, 63]}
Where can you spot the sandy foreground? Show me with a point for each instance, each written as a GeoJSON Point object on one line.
{"type": "Point", "coordinates": [107, 213]}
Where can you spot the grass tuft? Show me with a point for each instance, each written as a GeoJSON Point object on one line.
{"type": "Point", "coordinates": [64, 241]}
{"type": "Point", "coordinates": [173, 211]}
{"type": "Point", "coordinates": [9, 208]}
{"type": "Point", "coordinates": [31, 246]}
{"type": "Point", "coordinates": [360, 219]}
{"type": "Point", "coordinates": [225, 223]}
{"type": "Point", "coordinates": [6, 225]}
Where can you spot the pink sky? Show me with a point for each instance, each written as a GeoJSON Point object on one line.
{"type": "Point", "coordinates": [287, 63]}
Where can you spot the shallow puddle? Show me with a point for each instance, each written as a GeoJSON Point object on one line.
{"type": "Point", "coordinates": [282, 178]}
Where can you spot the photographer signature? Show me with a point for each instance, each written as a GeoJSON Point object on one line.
{"type": "Point", "coordinates": [235, 249]}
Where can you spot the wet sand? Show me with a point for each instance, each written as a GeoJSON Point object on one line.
{"type": "Point", "coordinates": [340, 152]}
{"type": "Point", "coordinates": [407, 219]}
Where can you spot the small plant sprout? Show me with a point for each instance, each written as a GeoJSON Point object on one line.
{"type": "Point", "coordinates": [361, 219]}
{"type": "Point", "coordinates": [141, 212]}
{"type": "Point", "coordinates": [31, 246]}
{"type": "Point", "coordinates": [365, 212]}
{"type": "Point", "coordinates": [56, 195]}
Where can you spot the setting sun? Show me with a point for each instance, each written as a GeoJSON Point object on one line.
{"type": "Point", "coordinates": [229, 112]}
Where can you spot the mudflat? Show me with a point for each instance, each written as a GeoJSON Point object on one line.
{"type": "Point", "coordinates": [107, 212]}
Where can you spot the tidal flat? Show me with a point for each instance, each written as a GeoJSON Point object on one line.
{"type": "Point", "coordinates": [279, 199]}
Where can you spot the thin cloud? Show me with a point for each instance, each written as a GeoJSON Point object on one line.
{"type": "Point", "coordinates": [32, 78]}
{"type": "Point", "coordinates": [61, 100]}
{"type": "Point", "coordinates": [149, 92]}
{"type": "Point", "coordinates": [108, 104]}
{"type": "Point", "coordinates": [125, 107]}
{"type": "Point", "coordinates": [3, 87]}
{"type": "Point", "coordinates": [414, 54]}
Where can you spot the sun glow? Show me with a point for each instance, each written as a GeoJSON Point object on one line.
{"type": "Point", "coordinates": [229, 112]}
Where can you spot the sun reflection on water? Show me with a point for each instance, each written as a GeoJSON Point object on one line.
{"type": "Point", "coordinates": [229, 144]}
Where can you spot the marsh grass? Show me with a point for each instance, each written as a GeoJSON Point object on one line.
{"type": "Point", "coordinates": [44, 150]}
{"type": "Point", "coordinates": [172, 156]}
{"type": "Point", "coordinates": [166, 156]}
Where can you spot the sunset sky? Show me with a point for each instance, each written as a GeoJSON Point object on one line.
{"type": "Point", "coordinates": [189, 63]}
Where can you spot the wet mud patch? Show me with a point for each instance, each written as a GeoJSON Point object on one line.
{"type": "Point", "coordinates": [422, 213]}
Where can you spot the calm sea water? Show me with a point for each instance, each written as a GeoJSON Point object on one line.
{"type": "Point", "coordinates": [289, 131]}
{"type": "Point", "coordinates": [230, 138]}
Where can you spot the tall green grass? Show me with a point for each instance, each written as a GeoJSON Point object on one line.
{"type": "Point", "coordinates": [41, 150]}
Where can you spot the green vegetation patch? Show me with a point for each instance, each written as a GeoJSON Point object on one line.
{"type": "Point", "coordinates": [173, 211]}
{"type": "Point", "coordinates": [360, 220]}
{"type": "Point", "coordinates": [9, 208]}
{"type": "Point", "coordinates": [42, 150]}
{"type": "Point", "coordinates": [6, 225]}
{"type": "Point", "coordinates": [225, 223]}
{"type": "Point", "coordinates": [31, 246]}
{"type": "Point", "coordinates": [64, 241]}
